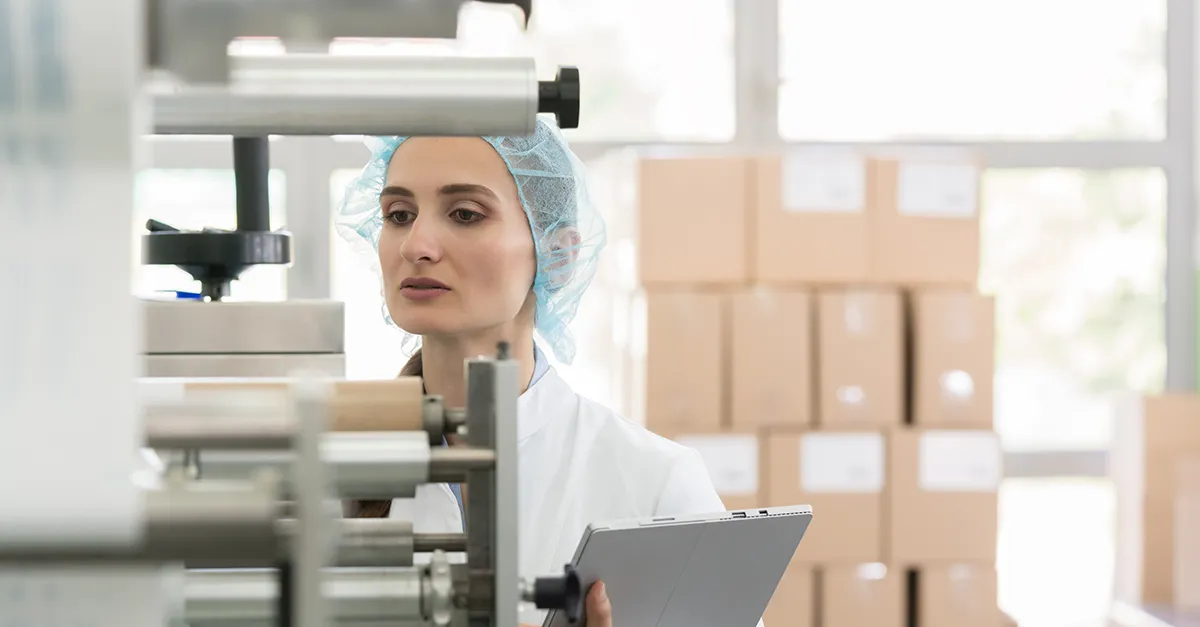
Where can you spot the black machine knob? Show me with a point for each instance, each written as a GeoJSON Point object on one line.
{"type": "Point", "coordinates": [214, 257]}
{"type": "Point", "coordinates": [561, 97]}
{"type": "Point", "coordinates": [217, 257]}
{"type": "Point", "coordinates": [560, 593]}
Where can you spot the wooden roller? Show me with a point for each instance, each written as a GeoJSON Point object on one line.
{"type": "Point", "coordinates": [386, 405]}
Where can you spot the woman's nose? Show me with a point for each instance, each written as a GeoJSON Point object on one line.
{"type": "Point", "coordinates": [421, 243]}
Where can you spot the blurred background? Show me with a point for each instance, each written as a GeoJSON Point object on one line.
{"type": "Point", "coordinates": [1083, 112]}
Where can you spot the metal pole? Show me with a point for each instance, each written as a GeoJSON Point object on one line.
{"type": "Point", "coordinates": [492, 392]}
{"type": "Point", "coordinates": [363, 465]}
{"type": "Point", "coordinates": [251, 173]}
{"type": "Point", "coordinates": [314, 94]}
{"type": "Point", "coordinates": [231, 522]}
{"type": "Point", "coordinates": [241, 597]}
{"type": "Point", "coordinates": [1181, 310]}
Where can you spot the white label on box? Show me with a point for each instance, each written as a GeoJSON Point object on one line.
{"type": "Point", "coordinates": [938, 190]}
{"type": "Point", "coordinates": [732, 461]}
{"type": "Point", "coordinates": [828, 181]}
{"type": "Point", "coordinates": [842, 462]}
{"type": "Point", "coordinates": [960, 461]}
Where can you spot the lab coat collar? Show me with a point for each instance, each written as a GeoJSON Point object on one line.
{"type": "Point", "coordinates": [549, 396]}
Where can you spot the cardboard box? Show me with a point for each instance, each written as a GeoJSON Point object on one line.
{"type": "Point", "coordinates": [693, 216]}
{"type": "Point", "coordinates": [794, 603]}
{"type": "Point", "coordinates": [842, 475]}
{"type": "Point", "coordinates": [924, 221]}
{"type": "Point", "coordinates": [958, 595]}
{"type": "Point", "coordinates": [953, 359]}
{"type": "Point", "coordinates": [1152, 436]}
{"type": "Point", "coordinates": [811, 223]}
{"type": "Point", "coordinates": [860, 358]}
{"type": "Point", "coordinates": [943, 497]}
{"type": "Point", "coordinates": [867, 594]}
{"type": "Point", "coordinates": [1187, 535]}
{"type": "Point", "coordinates": [771, 373]}
{"type": "Point", "coordinates": [734, 465]}
{"type": "Point", "coordinates": [685, 361]}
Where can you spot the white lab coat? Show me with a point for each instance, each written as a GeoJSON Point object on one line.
{"type": "Point", "coordinates": [579, 463]}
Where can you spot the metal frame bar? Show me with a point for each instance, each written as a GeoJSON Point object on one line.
{"type": "Point", "coordinates": [310, 162]}
{"type": "Point", "coordinates": [1181, 314]}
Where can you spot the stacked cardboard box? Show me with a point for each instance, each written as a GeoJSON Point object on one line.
{"type": "Point", "coordinates": [813, 331]}
{"type": "Point", "coordinates": [1155, 465]}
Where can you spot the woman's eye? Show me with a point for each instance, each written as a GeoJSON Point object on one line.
{"type": "Point", "coordinates": [400, 216]}
{"type": "Point", "coordinates": [465, 215]}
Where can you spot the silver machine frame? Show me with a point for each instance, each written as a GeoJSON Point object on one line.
{"type": "Point", "coordinates": [243, 515]}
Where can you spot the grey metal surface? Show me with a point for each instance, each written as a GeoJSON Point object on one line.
{"type": "Point", "coordinates": [222, 426]}
{"type": "Point", "coordinates": [362, 465]}
{"type": "Point", "coordinates": [206, 328]}
{"type": "Point", "coordinates": [320, 94]}
{"type": "Point", "coordinates": [1041, 464]}
{"type": "Point", "coordinates": [244, 597]}
{"type": "Point", "coordinates": [191, 38]}
{"type": "Point", "coordinates": [1132, 615]}
{"type": "Point", "coordinates": [492, 392]}
{"type": "Point", "coordinates": [242, 366]}
{"type": "Point", "coordinates": [365, 542]}
{"type": "Point", "coordinates": [313, 544]}
{"type": "Point", "coordinates": [1181, 234]}
{"type": "Point", "coordinates": [231, 521]}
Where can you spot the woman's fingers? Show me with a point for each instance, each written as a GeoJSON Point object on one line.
{"type": "Point", "coordinates": [599, 609]}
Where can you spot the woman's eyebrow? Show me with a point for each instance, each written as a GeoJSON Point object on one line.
{"type": "Point", "coordinates": [466, 188]}
{"type": "Point", "coordinates": [395, 190]}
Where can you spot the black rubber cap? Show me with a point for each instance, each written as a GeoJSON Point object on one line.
{"type": "Point", "coordinates": [561, 97]}
{"type": "Point", "coordinates": [560, 593]}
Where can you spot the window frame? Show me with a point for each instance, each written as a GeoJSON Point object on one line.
{"type": "Point", "coordinates": [309, 163]}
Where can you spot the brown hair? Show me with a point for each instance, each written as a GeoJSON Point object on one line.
{"type": "Point", "coordinates": [382, 509]}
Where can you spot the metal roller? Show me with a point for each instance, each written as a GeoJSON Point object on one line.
{"type": "Point", "coordinates": [364, 465]}
{"type": "Point", "coordinates": [320, 94]}
{"type": "Point", "coordinates": [247, 597]}
{"type": "Point", "coordinates": [380, 542]}
{"type": "Point", "coordinates": [215, 413]}
{"type": "Point", "coordinates": [217, 522]}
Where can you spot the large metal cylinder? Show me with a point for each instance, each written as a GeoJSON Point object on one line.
{"type": "Point", "coordinates": [364, 465]}
{"type": "Point", "coordinates": [253, 414]}
{"type": "Point", "coordinates": [247, 597]}
{"type": "Point", "coordinates": [321, 94]}
{"type": "Point", "coordinates": [218, 522]}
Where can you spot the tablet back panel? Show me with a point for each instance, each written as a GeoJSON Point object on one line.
{"type": "Point", "coordinates": [733, 572]}
{"type": "Point", "coordinates": [718, 572]}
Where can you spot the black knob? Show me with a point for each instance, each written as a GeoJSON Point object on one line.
{"type": "Point", "coordinates": [561, 97]}
{"type": "Point", "coordinates": [560, 593]}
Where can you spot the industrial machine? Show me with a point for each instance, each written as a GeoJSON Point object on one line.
{"type": "Point", "coordinates": [249, 531]}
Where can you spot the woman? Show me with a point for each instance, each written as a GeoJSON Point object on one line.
{"type": "Point", "coordinates": [482, 240]}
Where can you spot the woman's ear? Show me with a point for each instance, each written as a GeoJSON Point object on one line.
{"type": "Point", "coordinates": [563, 253]}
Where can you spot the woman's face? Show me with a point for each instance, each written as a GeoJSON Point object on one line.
{"type": "Point", "coordinates": [456, 251]}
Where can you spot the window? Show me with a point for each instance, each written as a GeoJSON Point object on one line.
{"type": "Point", "coordinates": [1069, 539]}
{"type": "Point", "coordinates": [1076, 260]}
{"type": "Point", "coordinates": [650, 70]}
{"type": "Point", "coordinates": [373, 347]}
{"type": "Point", "coordinates": [1032, 69]}
{"type": "Point", "coordinates": [195, 199]}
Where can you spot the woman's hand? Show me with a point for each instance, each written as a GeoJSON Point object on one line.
{"type": "Point", "coordinates": [599, 610]}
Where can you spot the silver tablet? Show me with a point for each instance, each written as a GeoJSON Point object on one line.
{"type": "Point", "coordinates": [706, 570]}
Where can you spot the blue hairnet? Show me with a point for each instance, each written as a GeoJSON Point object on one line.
{"type": "Point", "coordinates": [553, 190]}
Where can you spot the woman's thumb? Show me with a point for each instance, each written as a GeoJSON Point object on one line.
{"type": "Point", "coordinates": [599, 609]}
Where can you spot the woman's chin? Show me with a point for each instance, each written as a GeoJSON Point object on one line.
{"type": "Point", "coordinates": [427, 325]}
